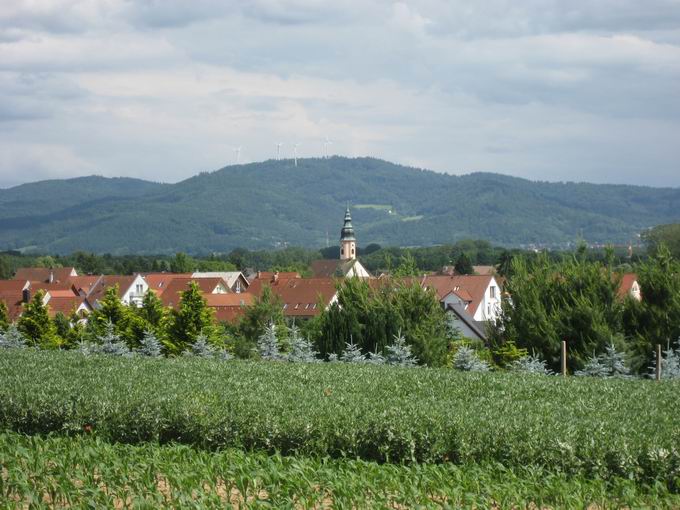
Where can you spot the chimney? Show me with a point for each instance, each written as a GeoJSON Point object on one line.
{"type": "Point", "coordinates": [26, 296]}
{"type": "Point", "coordinates": [275, 278]}
{"type": "Point", "coordinates": [51, 278]}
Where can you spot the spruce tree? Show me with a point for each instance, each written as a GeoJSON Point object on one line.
{"type": "Point", "coordinates": [375, 358]}
{"type": "Point", "coordinates": [531, 364]}
{"type": "Point", "coordinates": [466, 359]}
{"type": "Point", "coordinates": [11, 338]}
{"type": "Point", "coordinates": [110, 343]}
{"type": "Point", "coordinates": [399, 353]}
{"type": "Point", "coordinates": [301, 349]}
{"type": "Point", "coordinates": [609, 364]}
{"type": "Point", "coordinates": [201, 348]}
{"type": "Point", "coordinates": [150, 346]}
{"type": "Point", "coordinates": [268, 344]}
{"type": "Point", "coordinates": [35, 324]}
{"type": "Point", "coordinates": [352, 354]}
{"type": "Point", "coordinates": [670, 363]}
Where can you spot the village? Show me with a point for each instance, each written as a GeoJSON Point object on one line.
{"type": "Point", "coordinates": [471, 301]}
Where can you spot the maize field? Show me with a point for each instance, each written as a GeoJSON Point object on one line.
{"type": "Point", "coordinates": [315, 434]}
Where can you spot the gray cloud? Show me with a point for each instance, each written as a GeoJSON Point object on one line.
{"type": "Point", "coordinates": [543, 89]}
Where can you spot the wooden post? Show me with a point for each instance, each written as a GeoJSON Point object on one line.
{"type": "Point", "coordinates": [658, 362]}
{"type": "Point", "coordinates": [564, 358]}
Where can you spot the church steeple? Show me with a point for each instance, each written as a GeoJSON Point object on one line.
{"type": "Point", "coordinates": [347, 240]}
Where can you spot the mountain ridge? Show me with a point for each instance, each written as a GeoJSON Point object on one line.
{"type": "Point", "coordinates": [274, 203]}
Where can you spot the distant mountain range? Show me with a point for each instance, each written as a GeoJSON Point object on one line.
{"type": "Point", "coordinates": [274, 203]}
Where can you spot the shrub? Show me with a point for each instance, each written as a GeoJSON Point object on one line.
{"type": "Point", "coordinates": [467, 360]}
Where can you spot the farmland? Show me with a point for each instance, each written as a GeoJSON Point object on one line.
{"type": "Point", "coordinates": [89, 472]}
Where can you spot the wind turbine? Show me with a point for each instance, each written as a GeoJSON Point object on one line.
{"type": "Point", "coordinates": [237, 150]}
{"type": "Point", "coordinates": [278, 151]}
{"type": "Point", "coordinates": [295, 146]}
{"type": "Point", "coordinates": [326, 143]}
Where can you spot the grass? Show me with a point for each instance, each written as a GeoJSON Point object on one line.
{"type": "Point", "coordinates": [602, 429]}
{"type": "Point", "coordinates": [86, 472]}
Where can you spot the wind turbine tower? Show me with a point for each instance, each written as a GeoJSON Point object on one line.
{"type": "Point", "coordinates": [295, 146]}
{"type": "Point", "coordinates": [278, 151]}
{"type": "Point", "coordinates": [237, 151]}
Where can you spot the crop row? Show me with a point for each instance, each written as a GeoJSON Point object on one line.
{"type": "Point", "coordinates": [600, 428]}
{"type": "Point", "coordinates": [88, 472]}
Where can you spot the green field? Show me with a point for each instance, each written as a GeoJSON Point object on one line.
{"type": "Point", "coordinates": [590, 439]}
{"type": "Point", "coordinates": [88, 472]}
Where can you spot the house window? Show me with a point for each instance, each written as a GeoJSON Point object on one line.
{"type": "Point", "coordinates": [342, 251]}
{"type": "Point", "coordinates": [238, 286]}
{"type": "Point", "coordinates": [492, 292]}
{"type": "Point", "coordinates": [352, 251]}
{"type": "Point", "coordinates": [140, 289]}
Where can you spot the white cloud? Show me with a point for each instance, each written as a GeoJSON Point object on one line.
{"type": "Point", "coordinates": [550, 89]}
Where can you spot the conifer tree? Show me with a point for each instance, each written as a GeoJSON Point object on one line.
{"type": "Point", "coordinates": [609, 364]}
{"type": "Point", "coordinates": [531, 364]}
{"type": "Point", "coordinates": [4, 316]}
{"type": "Point", "coordinates": [352, 354]}
{"type": "Point", "coordinates": [268, 344]}
{"type": "Point", "coordinates": [466, 359]}
{"type": "Point", "coordinates": [201, 348]}
{"type": "Point", "coordinates": [11, 338]}
{"type": "Point", "coordinates": [153, 312]}
{"type": "Point", "coordinates": [111, 310]}
{"type": "Point", "coordinates": [191, 319]}
{"type": "Point", "coordinates": [35, 324]}
{"type": "Point", "coordinates": [301, 349]}
{"type": "Point", "coordinates": [399, 353]}
{"type": "Point", "coordinates": [110, 343]}
{"type": "Point", "coordinates": [670, 363]}
{"type": "Point", "coordinates": [375, 358]}
{"type": "Point", "coordinates": [150, 346]}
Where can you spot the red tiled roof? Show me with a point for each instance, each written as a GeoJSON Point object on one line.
{"type": "Point", "coordinates": [98, 291]}
{"type": "Point", "coordinates": [11, 292]}
{"type": "Point", "coordinates": [229, 307]}
{"type": "Point", "coordinates": [65, 304]}
{"type": "Point", "coordinates": [57, 289]}
{"type": "Point", "coordinates": [171, 295]}
{"type": "Point", "coordinates": [299, 296]}
{"type": "Point", "coordinates": [232, 299]}
{"type": "Point", "coordinates": [159, 281]}
{"type": "Point", "coordinates": [42, 274]}
{"type": "Point", "coordinates": [627, 281]}
{"type": "Point", "coordinates": [84, 284]}
{"type": "Point", "coordinates": [268, 275]}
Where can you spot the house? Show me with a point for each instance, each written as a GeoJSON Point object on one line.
{"type": "Point", "coordinates": [468, 327]}
{"type": "Point", "coordinates": [479, 295]}
{"type": "Point", "coordinates": [236, 280]}
{"type": "Point", "coordinates": [348, 266]}
{"type": "Point", "coordinates": [131, 289]}
{"type": "Point", "coordinates": [68, 305]}
{"type": "Point", "coordinates": [229, 307]}
{"type": "Point", "coordinates": [171, 295]}
{"type": "Point", "coordinates": [158, 282]}
{"type": "Point", "coordinates": [45, 274]}
{"type": "Point", "coordinates": [84, 285]}
{"type": "Point", "coordinates": [630, 286]}
{"type": "Point", "coordinates": [301, 298]}
{"type": "Point", "coordinates": [14, 293]}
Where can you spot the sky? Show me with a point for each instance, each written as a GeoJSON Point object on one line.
{"type": "Point", "coordinates": [554, 90]}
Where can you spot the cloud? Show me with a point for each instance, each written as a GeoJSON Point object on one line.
{"type": "Point", "coordinates": [162, 89]}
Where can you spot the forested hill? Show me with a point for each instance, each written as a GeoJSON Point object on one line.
{"type": "Point", "coordinates": [263, 205]}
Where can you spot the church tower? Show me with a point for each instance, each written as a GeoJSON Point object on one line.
{"type": "Point", "coordinates": [348, 243]}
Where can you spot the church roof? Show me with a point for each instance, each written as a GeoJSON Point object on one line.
{"type": "Point", "coordinates": [347, 232]}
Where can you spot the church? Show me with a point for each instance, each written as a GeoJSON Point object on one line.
{"type": "Point", "coordinates": [348, 265]}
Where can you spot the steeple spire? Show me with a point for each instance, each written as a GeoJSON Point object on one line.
{"type": "Point", "coordinates": [347, 239]}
